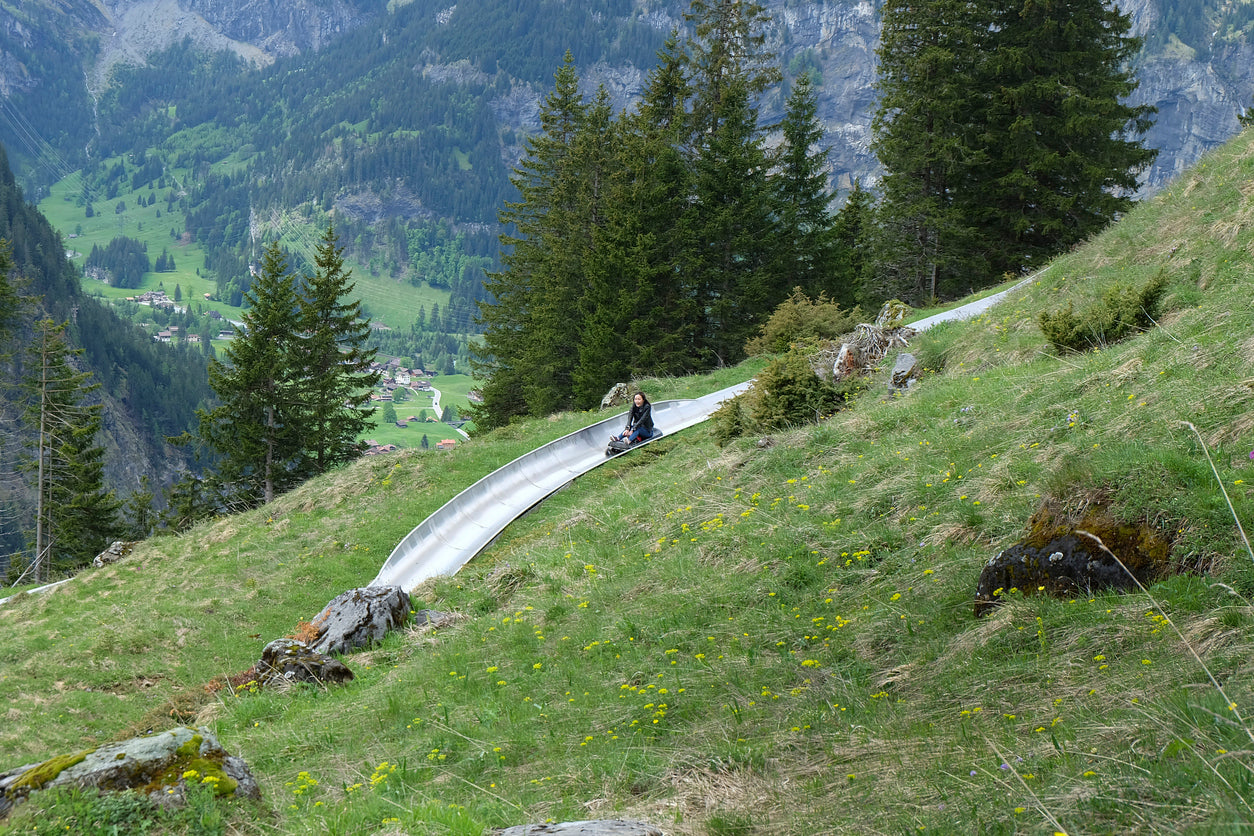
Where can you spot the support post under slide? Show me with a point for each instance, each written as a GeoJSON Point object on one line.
{"type": "Point", "coordinates": [461, 528]}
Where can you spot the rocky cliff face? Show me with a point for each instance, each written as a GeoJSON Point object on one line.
{"type": "Point", "coordinates": [282, 27]}
{"type": "Point", "coordinates": [843, 36]}
{"type": "Point", "coordinates": [1198, 99]}
{"type": "Point", "coordinates": [1198, 103]}
{"type": "Point", "coordinates": [256, 30]}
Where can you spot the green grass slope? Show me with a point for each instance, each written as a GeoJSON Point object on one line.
{"type": "Point", "coordinates": [758, 638]}
{"type": "Point", "coordinates": [387, 300]}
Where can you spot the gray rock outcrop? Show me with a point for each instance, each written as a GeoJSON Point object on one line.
{"type": "Point", "coordinates": [286, 662]}
{"type": "Point", "coordinates": [905, 371]}
{"type": "Point", "coordinates": [602, 827]}
{"type": "Point", "coordinates": [160, 765]}
{"type": "Point", "coordinates": [617, 396]}
{"type": "Point", "coordinates": [359, 618]}
{"type": "Point", "coordinates": [117, 550]}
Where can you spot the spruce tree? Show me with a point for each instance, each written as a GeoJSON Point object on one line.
{"type": "Point", "coordinates": [728, 47]}
{"type": "Point", "coordinates": [734, 273]}
{"type": "Point", "coordinates": [335, 379]}
{"type": "Point", "coordinates": [1061, 143]}
{"type": "Point", "coordinates": [540, 271]}
{"type": "Point", "coordinates": [256, 428]}
{"type": "Point", "coordinates": [1003, 136]}
{"type": "Point", "coordinates": [75, 514]}
{"type": "Point", "coordinates": [852, 233]}
{"type": "Point", "coordinates": [923, 137]}
{"type": "Point", "coordinates": [10, 299]}
{"type": "Point", "coordinates": [807, 249]}
{"type": "Point", "coordinates": [638, 307]}
{"type": "Point", "coordinates": [734, 259]}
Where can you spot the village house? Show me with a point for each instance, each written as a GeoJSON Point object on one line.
{"type": "Point", "coordinates": [152, 298]}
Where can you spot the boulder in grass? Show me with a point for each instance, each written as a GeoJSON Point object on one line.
{"type": "Point", "coordinates": [161, 766]}
{"type": "Point", "coordinates": [359, 618]}
{"type": "Point", "coordinates": [117, 550]}
{"type": "Point", "coordinates": [286, 662]}
{"type": "Point", "coordinates": [905, 371]}
{"type": "Point", "coordinates": [602, 827]}
{"type": "Point", "coordinates": [1071, 555]}
{"type": "Point", "coordinates": [617, 396]}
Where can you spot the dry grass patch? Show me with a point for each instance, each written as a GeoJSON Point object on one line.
{"type": "Point", "coordinates": [1229, 231]}
{"type": "Point", "coordinates": [700, 793]}
{"type": "Point", "coordinates": [1211, 635]}
{"type": "Point", "coordinates": [1237, 429]}
{"type": "Point", "coordinates": [956, 533]}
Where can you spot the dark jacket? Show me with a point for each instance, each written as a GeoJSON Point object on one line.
{"type": "Point", "coordinates": [641, 417]}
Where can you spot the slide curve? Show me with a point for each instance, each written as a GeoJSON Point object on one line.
{"type": "Point", "coordinates": [461, 528]}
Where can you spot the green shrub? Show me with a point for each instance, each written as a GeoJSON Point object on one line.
{"type": "Point", "coordinates": [788, 393]}
{"type": "Point", "coordinates": [730, 421]}
{"type": "Point", "coordinates": [90, 812]}
{"type": "Point", "coordinates": [800, 319]}
{"type": "Point", "coordinates": [1121, 311]}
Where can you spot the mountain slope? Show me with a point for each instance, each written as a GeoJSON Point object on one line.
{"type": "Point", "coordinates": [762, 638]}
{"type": "Point", "coordinates": [149, 391]}
{"type": "Point", "coordinates": [1196, 67]}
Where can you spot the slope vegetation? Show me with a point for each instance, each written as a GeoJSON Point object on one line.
{"type": "Point", "coordinates": [761, 638]}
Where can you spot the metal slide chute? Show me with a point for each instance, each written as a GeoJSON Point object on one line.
{"type": "Point", "coordinates": [461, 528]}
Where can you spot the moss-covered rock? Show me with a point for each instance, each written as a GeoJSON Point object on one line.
{"type": "Point", "coordinates": [1074, 554]}
{"type": "Point", "coordinates": [39, 776]}
{"type": "Point", "coordinates": [161, 766]}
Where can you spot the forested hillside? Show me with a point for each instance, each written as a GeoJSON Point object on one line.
{"type": "Point", "coordinates": [148, 392]}
{"type": "Point", "coordinates": [407, 118]}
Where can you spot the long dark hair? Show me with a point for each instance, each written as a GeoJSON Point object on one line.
{"type": "Point", "coordinates": [643, 397]}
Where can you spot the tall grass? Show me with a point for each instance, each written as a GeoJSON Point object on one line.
{"type": "Point", "coordinates": [750, 639]}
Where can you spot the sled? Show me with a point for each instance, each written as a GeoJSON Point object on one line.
{"type": "Point", "coordinates": [618, 445]}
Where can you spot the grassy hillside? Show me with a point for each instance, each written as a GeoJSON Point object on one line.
{"type": "Point", "coordinates": [389, 301]}
{"type": "Point", "coordinates": [762, 638]}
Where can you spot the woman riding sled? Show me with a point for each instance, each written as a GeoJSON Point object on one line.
{"type": "Point", "coordinates": [639, 421]}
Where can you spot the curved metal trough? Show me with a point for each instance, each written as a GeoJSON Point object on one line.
{"type": "Point", "coordinates": [449, 538]}
{"type": "Point", "coordinates": [461, 528]}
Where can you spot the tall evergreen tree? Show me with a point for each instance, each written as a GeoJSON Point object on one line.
{"type": "Point", "coordinates": [334, 363]}
{"type": "Point", "coordinates": [256, 428]}
{"type": "Point", "coordinates": [638, 306]}
{"type": "Point", "coordinates": [807, 248]}
{"type": "Point", "coordinates": [1003, 136]}
{"type": "Point", "coordinates": [526, 360]}
{"type": "Point", "coordinates": [75, 515]}
{"type": "Point", "coordinates": [727, 48]}
{"type": "Point", "coordinates": [852, 232]}
{"type": "Point", "coordinates": [1062, 145]}
{"type": "Point", "coordinates": [733, 267]}
{"type": "Point", "coordinates": [10, 299]}
{"type": "Point", "coordinates": [923, 135]}
{"type": "Point", "coordinates": [734, 260]}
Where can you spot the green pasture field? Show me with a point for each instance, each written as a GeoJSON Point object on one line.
{"type": "Point", "coordinates": [394, 302]}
